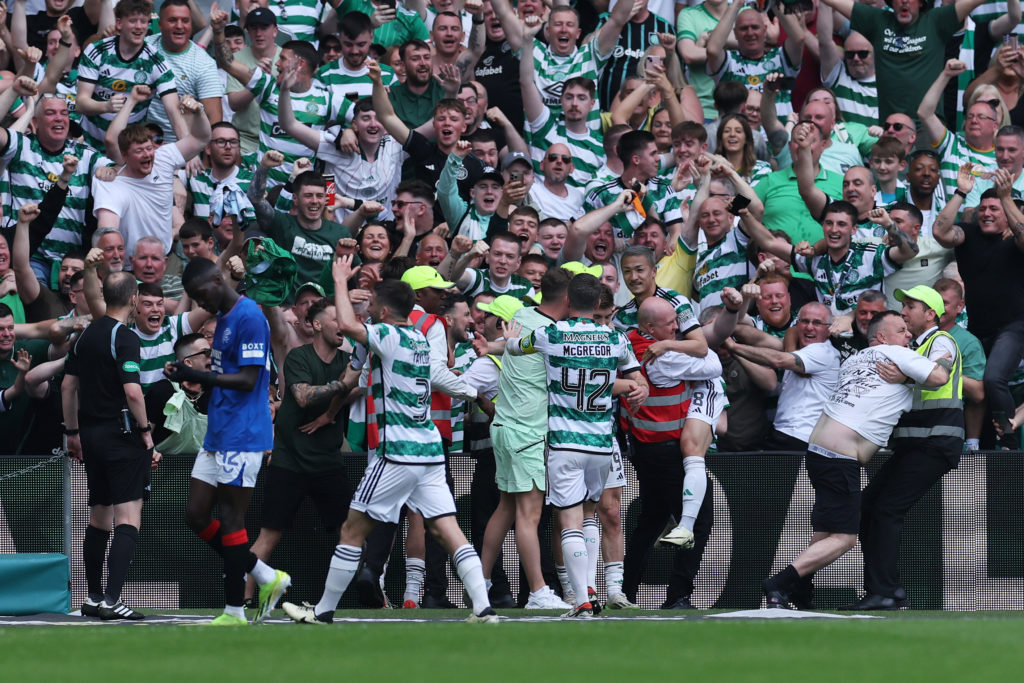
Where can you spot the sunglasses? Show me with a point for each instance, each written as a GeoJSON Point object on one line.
{"type": "Point", "coordinates": [565, 158]}
{"type": "Point", "coordinates": [895, 126]}
{"type": "Point", "coordinates": [204, 352]}
{"type": "Point", "coordinates": [859, 54]}
{"type": "Point", "coordinates": [992, 103]}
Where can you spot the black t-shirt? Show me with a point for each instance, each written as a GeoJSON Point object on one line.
{"type": "Point", "coordinates": [426, 160]}
{"type": "Point", "coordinates": [498, 72]}
{"type": "Point", "coordinates": [992, 268]}
{"type": "Point", "coordinates": [157, 396]}
{"type": "Point", "coordinates": [633, 41]}
{"type": "Point", "coordinates": [294, 450]}
{"type": "Point", "coordinates": [104, 359]}
{"type": "Point", "coordinates": [39, 25]}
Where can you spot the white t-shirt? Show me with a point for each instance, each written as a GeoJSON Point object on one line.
{"type": "Point", "coordinates": [551, 205]}
{"type": "Point", "coordinates": [143, 204]}
{"type": "Point", "coordinates": [868, 404]}
{"type": "Point", "coordinates": [358, 178]}
{"type": "Point", "coordinates": [802, 396]}
{"type": "Point", "coordinates": [668, 369]}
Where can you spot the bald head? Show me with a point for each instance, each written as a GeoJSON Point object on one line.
{"type": "Point", "coordinates": [657, 319]}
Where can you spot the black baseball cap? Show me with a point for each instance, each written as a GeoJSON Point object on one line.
{"type": "Point", "coordinates": [261, 16]}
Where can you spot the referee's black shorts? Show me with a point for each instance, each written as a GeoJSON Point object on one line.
{"type": "Point", "coordinates": [285, 490]}
{"type": "Point", "coordinates": [116, 465]}
{"type": "Point", "coordinates": [836, 483]}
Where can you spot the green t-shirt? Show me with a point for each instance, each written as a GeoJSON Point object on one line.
{"type": "Point", "coordinates": [312, 249]}
{"type": "Point", "coordinates": [415, 110]}
{"type": "Point", "coordinates": [785, 210]}
{"type": "Point", "coordinates": [522, 383]}
{"type": "Point", "coordinates": [972, 352]}
{"type": "Point", "coordinates": [692, 23]}
{"type": "Point", "coordinates": [319, 451]}
{"type": "Point", "coordinates": [907, 59]}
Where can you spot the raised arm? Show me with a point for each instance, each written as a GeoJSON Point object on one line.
{"type": "Point", "coordinates": [584, 226]}
{"type": "Point", "coordinates": [608, 34]}
{"type": "Point", "coordinates": [257, 192]}
{"type": "Point", "coordinates": [24, 277]}
{"type": "Point", "coordinates": [794, 45]}
{"type": "Point", "coordinates": [844, 7]}
{"type": "Point", "coordinates": [123, 107]}
{"type": "Point", "coordinates": [1014, 217]}
{"type": "Point", "coordinates": [930, 102]}
{"type": "Point", "coordinates": [510, 22]}
{"type": "Point", "coordinates": [348, 323]}
{"type": "Point", "coordinates": [829, 54]}
{"type": "Point", "coordinates": [533, 103]}
{"type": "Point", "coordinates": [199, 132]}
{"type": "Point", "coordinates": [965, 7]}
{"type": "Point", "coordinates": [382, 105]}
{"type": "Point", "coordinates": [716, 41]}
{"type": "Point", "coordinates": [513, 138]}
{"type": "Point", "coordinates": [903, 248]}
{"type": "Point", "coordinates": [945, 230]}
{"type": "Point", "coordinates": [780, 360]}
{"type": "Point", "coordinates": [92, 288]}
{"type": "Point", "coordinates": [469, 57]}
{"type": "Point", "coordinates": [803, 166]}
{"type": "Point", "coordinates": [765, 241]}
{"type": "Point", "coordinates": [223, 54]}
{"type": "Point", "coordinates": [1004, 24]}
{"type": "Point", "coordinates": [286, 115]}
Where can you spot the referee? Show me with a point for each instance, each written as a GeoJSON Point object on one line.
{"type": "Point", "coordinates": [107, 429]}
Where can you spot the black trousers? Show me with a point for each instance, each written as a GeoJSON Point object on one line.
{"type": "Point", "coordinates": [659, 473]}
{"type": "Point", "coordinates": [913, 468]}
{"type": "Point", "coordinates": [484, 499]}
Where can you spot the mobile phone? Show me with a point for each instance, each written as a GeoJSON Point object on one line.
{"type": "Point", "coordinates": [786, 83]}
{"type": "Point", "coordinates": [739, 202]}
{"type": "Point", "coordinates": [652, 60]}
{"type": "Point", "coordinates": [515, 176]}
{"type": "Point", "coordinates": [352, 96]}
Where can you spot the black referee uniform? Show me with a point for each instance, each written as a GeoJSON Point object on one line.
{"type": "Point", "coordinates": [117, 462]}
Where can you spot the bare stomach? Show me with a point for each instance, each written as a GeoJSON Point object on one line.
{"type": "Point", "coordinates": [841, 439]}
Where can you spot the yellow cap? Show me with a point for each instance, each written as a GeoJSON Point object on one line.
{"type": "Point", "coordinates": [420, 277]}
{"type": "Point", "coordinates": [504, 307]}
{"type": "Point", "coordinates": [577, 268]}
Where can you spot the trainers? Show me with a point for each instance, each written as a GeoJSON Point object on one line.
{"type": "Point", "coordinates": [620, 601]}
{"type": "Point", "coordinates": [90, 608]}
{"type": "Point", "coordinates": [774, 598]}
{"type": "Point", "coordinates": [410, 604]}
{"type": "Point", "coordinates": [228, 620]}
{"type": "Point", "coordinates": [545, 598]}
{"type": "Point", "coordinates": [487, 616]}
{"type": "Point", "coordinates": [304, 614]}
{"type": "Point", "coordinates": [592, 599]}
{"type": "Point", "coordinates": [584, 611]}
{"type": "Point", "coordinates": [270, 593]}
{"type": "Point", "coordinates": [678, 536]}
{"type": "Point", "coordinates": [118, 610]}
{"type": "Point", "coordinates": [431, 601]}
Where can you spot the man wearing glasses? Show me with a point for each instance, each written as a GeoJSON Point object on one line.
{"type": "Point", "coordinates": [975, 145]}
{"type": "Point", "coordinates": [224, 153]}
{"type": "Point", "coordinates": [901, 127]}
{"type": "Point", "coordinates": [850, 74]}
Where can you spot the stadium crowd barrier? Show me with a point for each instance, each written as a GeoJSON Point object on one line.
{"type": "Point", "coordinates": [963, 545]}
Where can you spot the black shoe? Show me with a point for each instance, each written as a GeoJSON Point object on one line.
{"type": "Point", "coordinates": [679, 603]}
{"type": "Point", "coordinates": [503, 601]}
{"type": "Point", "coordinates": [873, 601]}
{"type": "Point", "coordinates": [368, 588]}
{"type": "Point", "coordinates": [90, 608]}
{"type": "Point", "coordinates": [773, 597]}
{"type": "Point", "coordinates": [431, 601]}
{"type": "Point", "coordinates": [118, 611]}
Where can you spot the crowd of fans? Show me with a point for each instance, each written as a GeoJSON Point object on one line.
{"type": "Point", "coordinates": [776, 171]}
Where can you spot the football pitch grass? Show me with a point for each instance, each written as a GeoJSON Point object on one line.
{"type": "Point", "coordinates": [628, 646]}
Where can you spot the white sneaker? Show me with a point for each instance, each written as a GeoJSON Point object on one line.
{"type": "Point", "coordinates": [545, 598]}
{"type": "Point", "coordinates": [620, 601]}
{"type": "Point", "coordinates": [679, 536]}
{"type": "Point", "coordinates": [304, 614]}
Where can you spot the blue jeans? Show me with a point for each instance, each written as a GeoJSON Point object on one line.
{"type": "Point", "coordinates": [1005, 350]}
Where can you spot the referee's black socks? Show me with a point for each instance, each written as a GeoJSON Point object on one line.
{"type": "Point", "coordinates": [785, 581]}
{"type": "Point", "coordinates": [122, 549]}
{"type": "Point", "coordinates": [94, 550]}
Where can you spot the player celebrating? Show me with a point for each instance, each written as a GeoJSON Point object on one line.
{"type": "Point", "coordinates": [582, 360]}
{"type": "Point", "coordinates": [408, 467]}
{"type": "Point", "coordinates": [239, 431]}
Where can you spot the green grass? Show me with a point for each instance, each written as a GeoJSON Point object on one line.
{"type": "Point", "coordinates": [933, 646]}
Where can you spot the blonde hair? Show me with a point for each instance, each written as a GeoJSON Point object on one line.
{"type": "Point", "coordinates": [990, 92]}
